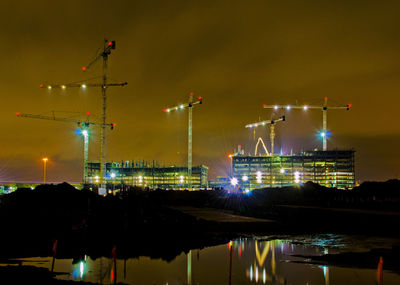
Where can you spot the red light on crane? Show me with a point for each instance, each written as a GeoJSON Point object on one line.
{"type": "Point", "coordinates": [88, 113]}
{"type": "Point", "coordinates": [41, 85]}
{"type": "Point", "coordinates": [165, 109]}
{"type": "Point", "coordinates": [18, 113]}
{"type": "Point", "coordinates": [111, 44]}
{"type": "Point", "coordinates": [200, 98]}
{"type": "Point", "coordinates": [84, 68]}
{"type": "Point", "coordinates": [191, 94]}
{"type": "Point", "coordinates": [264, 105]}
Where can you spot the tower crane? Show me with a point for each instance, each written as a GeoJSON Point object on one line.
{"type": "Point", "coordinates": [324, 108]}
{"type": "Point", "coordinates": [107, 47]}
{"type": "Point", "coordinates": [83, 125]}
{"type": "Point", "coordinates": [188, 105]}
{"type": "Point", "coordinates": [272, 129]}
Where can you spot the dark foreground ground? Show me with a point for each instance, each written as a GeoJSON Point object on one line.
{"type": "Point", "coordinates": [135, 221]}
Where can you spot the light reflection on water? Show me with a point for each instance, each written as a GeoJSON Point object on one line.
{"type": "Point", "coordinates": [243, 261]}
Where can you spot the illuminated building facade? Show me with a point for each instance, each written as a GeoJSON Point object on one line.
{"type": "Point", "coordinates": [146, 174]}
{"type": "Point", "coordinates": [333, 168]}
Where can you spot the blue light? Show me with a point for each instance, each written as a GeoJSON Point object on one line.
{"type": "Point", "coordinates": [323, 134]}
{"type": "Point", "coordinates": [78, 131]}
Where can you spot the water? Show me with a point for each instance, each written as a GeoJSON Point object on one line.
{"type": "Point", "coordinates": [257, 260]}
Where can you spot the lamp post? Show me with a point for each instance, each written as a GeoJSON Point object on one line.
{"type": "Point", "coordinates": [231, 165]}
{"type": "Point", "coordinates": [44, 169]}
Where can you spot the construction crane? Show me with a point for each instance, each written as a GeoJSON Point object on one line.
{"type": "Point", "coordinates": [272, 130]}
{"type": "Point", "coordinates": [107, 47]}
{"type": "Point", "coordinates": [188, 105]}
{"type": "Point", "coordinates": [324, 108]}
{"type": "Point", "coordinates": [83, 125]}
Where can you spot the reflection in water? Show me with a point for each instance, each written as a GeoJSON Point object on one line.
{"type": "Point", "coordinates": [230, 246]}
{"type": "Point", "coordinates": [243, 261]}
{"type": "Point", "coordinates": [260, 264]}
{"type": "Point", "coordinates": [80, 269]}
{"type": "Point", "coordinates": [189, 268]}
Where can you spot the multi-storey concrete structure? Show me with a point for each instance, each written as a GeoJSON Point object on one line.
{"type": "Point", "coordinates": [333, 168]}
{"type": "Point", "coordinates": [151, 175]}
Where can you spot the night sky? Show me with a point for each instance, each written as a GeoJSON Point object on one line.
{"type": "Point", "coordinates": [237, 55]}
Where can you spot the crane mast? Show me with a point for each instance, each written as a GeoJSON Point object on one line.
{"type": "Point", "coordinates": [190, 141]}
{"type": "Point", "coordinates": [107, 47]}
{"type": "Point", "coordinates": [188, 105]}
{"type": "Point", "coordinates": [84, 125]}
{"type": "Point", "coordinates": [272, 129]}
{"type": "Point", "coordinates": [103, 119]}
{"type": "Point", "coordinates": [324, 108]}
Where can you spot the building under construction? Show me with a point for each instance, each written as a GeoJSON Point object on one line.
{"type": "Point", "coordinates": [332, 168]}
{"type": "Point", "coordinates": [148, 174]}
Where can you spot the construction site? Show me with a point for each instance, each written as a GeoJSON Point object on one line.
{"type": "Point", "coordinates": [149, 175]}
{"type": "Point", "coordinates": [333, 168]}
{"type": "Point", "coordinates": [330, 168]}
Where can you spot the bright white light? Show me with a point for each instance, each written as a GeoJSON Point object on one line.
{"type": "Point", "coordinates": [96, 177]}
{"type": "Point", "coordinates": [297, 177]}
{"type": "Point", "coordinates": [181, 179]}
{"type": "Point", "coordinates": [49, 87]}
{"type": "Point", "coordinates": [85, 133]}
{"type": "Point", "coordinates": [276, 107]}
{"type": "Point", "coordinates": [81, 268]}
{"type": "Point", "coordinates": [282, 170]}
{"type": "Point", "coordinates": [263, 123]}
{"type": "Point", "coordinates": [140, 179]}
{"type": "Point", "coordinates": [305, 108]}
{"type": "Point", "coordinates": [259, 177]}
{"type": "Point", "coordinates": [181, 106]}
{"type": "Point", "coordinates": [168, 110]}
{"type": "Point", "coordinates": [247, 190]}
{"type": "Point", "coordinates": [288, 107]}
{"type": "Point", "coordinates": [323, 134]}
{"type": "Point", "coordinates": [63, 87]}
{"type": "Point", "coordinates": [113, 175]}
{"type": "Point", "coordinates": [256, 274]}
{"type": "Point", "coordinates": [264, 276]}
{"type": "Point", "coordinates": [83, 86]}
{"type": "Point", "coordinates": [245, 178]}
{"type": "Point", "coordinates": [234, 181]}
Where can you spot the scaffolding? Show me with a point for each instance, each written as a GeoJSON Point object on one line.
{"type": "Point", "coordinates": [149, 174]}
{"type": "Point", "coordinates": [333, 168]}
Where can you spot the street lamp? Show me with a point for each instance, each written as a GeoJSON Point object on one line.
{"type": "Point", "coordinates": [44, 169]}
{"type": "Point", "coordinates": [231, 165]}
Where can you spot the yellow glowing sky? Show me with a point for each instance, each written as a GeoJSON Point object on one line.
{"type": "Point", "coordinates": [237, 55]}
